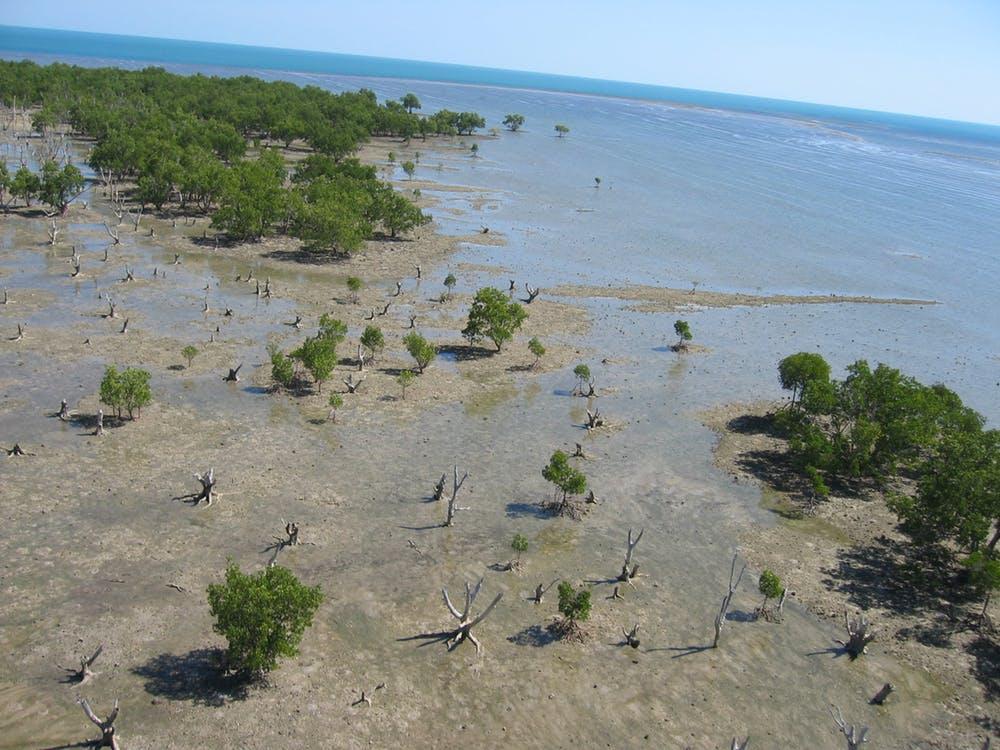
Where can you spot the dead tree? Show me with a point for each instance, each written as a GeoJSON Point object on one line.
{"type": "Point", "coordinates": [207, 481]}
{"type": "Point", "coordinates": [228, 313]}
{"type": "Point", "coordinates": [855, 736]}
{"type": "Point", "coordinates": [104, 259]}
{"type": "Point", "coordinates": [138, 217]}
{"type": "Point", "coordinates": [511, 287]}
{"type": "Point", "coordinates": [124, 326]}
{"type": "Point", "coordinates": [129, 275]}
{"type": "Point", "coordinates": [76, 267]}
{"type": "Point", "coordinates": [234, 374]}
{"type": "Point", "coordinates": [532, 293]}
{"type": "Point", "coordinates": [258, 289]}
{"type": "Point", "coordinates": [399, 289]}
{"type": "Point", "coordinates": [352, 384]}
{"type": "Point", "coordinates": [739, 744]}
{"type": "Point", "coordinates": [99, 427]}
{"type": "Point", "coordinates": [734, 582]}
{"type": "Point", "coordinates": [540, 591]}
{"type": "Point", "coordinates": [589, 393]}
{"type": "Point", "coordinates": [63, 412]}
{"type": "Point", "coordinates": [113, 234]}
{"type": "Point", "coordinates": [627, 575]}
{"type": "Point", "coordinates": [53, 232]}
{"type": "Point", "coordinates": [413, 321]}
{"type": "Point", "coordinates": [292, 530]}
{"type": "Point", "coordinates": [111, 308]}
{"type": "Point", "coordinates": [85, 672]}
{"type": "Point", "coordinates": [859, 634]}
{"type": "Point", "coordinates": [452, 504]}
{"type": "Point", "coordinates": [631, 637]}
{"type": "Point", "coordinates": [418, 270]}
{"type": "Point", "coordinates": [384, 309]}
{"type": "Point", "coordinates": [371, 315]}
{"type": "Point", "coordinates": [361, 358]}
{"type": "Point", "coordinates": [594, 419]}
{"type": "Point", "coordinates": [6, 297]}
{"type": "Point", "coordinates": [107, 726]}
{"type": "Point", "coordinates": [880, 697]}
{"type": "Point", "coordinates": [177, 259]}
{"type": "Point", "coordinates": [439, 488]}
{"type": "Point", "coordinates": [297, 323]}
{"type": "Point", "coordinates": [578, 453]}
{"type": "Point", "coordinates": [204, 306]}
{"type": "Point", "coordinates": [20, 332]}
{"type": "Point", "coordinates": [17, 450]}
{"type": "Point", "coordinates": [465, 621]}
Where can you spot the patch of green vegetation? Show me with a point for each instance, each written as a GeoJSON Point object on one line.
{"type": "Point", "coordinates": [792, 516]}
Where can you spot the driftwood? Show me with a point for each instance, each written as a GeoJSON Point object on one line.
{"type": "Point", "coordinates": [859, 634]}
{"type": "Point", "coordinates": [352, 384]}
{"type": "Point", "coordinates": [631, 637]}
{"type": "Point", "coordinates": [452, 504]}
{"type": "Point", "coordinates": [854, 735]}
{"type": "Point", "coordinates": [233, 376]}
{"type": "Point", "coordinates": [465, 620]}
{"type": "Point", "coordinates": [85, 672]}
{"type": "Point", "coordinates": [734, 582]}
{"type": "Point", "coordinates": [107, 727]}
{"type": "Point", "coordinates": [627, 575]}
{"type": "Point", "coordinates": [540, 591]}
{"type": "Point", "coordinates": [532, 293]}
{"type": "Point", "coordinates": [880, 697]}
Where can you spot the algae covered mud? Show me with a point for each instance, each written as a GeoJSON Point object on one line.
{"type": "Point", "coordinates": [98, 551]}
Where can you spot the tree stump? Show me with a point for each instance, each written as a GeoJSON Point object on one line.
{"type": "Point", "coordinates": [107, 726]}
{"type": "Point", "coordinates": [859, 635]}
{"type": "Point", "coordinates": [855, 736]}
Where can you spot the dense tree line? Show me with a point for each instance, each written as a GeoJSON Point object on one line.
{"type": "Point", "coordinates": [878, 425]}
{"type": "Point", "coordinates": [207, 143]}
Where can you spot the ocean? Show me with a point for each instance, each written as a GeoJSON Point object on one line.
{"type": "Point", "coordinates": [737, 193]}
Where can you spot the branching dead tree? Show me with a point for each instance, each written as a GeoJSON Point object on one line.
{"type": "Point", "coordinates": [453, 507]}
{"type": "Point", "coordinates": [112, 305]}
{"type": "Point", "coordinates": [739, 744]}
{"type": "Point", "coordinates": [17, 450]}
{"type": "Point", "coordinates": [370, 315]}
{"type": "Point", "coordinates": [107, 727]}
{"type": "Point", "coordinates": [854, 735]}
{"type": "Point", "coordinates": [413, 321]}
{"type": "Point", "coordinates": [627, 575]}
{"type": "Point", "coordinates": [631, 636]}
{"type": "Point", "coordinates": [399, 289]}
{"type": "Point", "coordinates": [734, 582]}
{"type": "Point", "coordinates": [113, 234]}
{"type": "Point", "coordinates": [465, 620]}
{"type": "Point", "coordinates": [20, 332]}
{"type": "Point", "coordinates": [177, 261]}
{"type": "Point", "coordinates": [297, 323]}
{"type": "Point", "coordinates": [84, 673]}
{"type": "Point", "coordinates": [385, 309]}
{"type": "Point", "coordinates": [124, 326]}
{"type": "Point", "coordinates": [53, 232]}
{"type": "Point", "coordinates": [234, 374]}
{"type": "Point", "coordinates": [129, 275]}
{"type": "Point", "coordinates": [594, 419]}
{"type": "Point", "coordinates": [532, 293]}
{"type": "Point", "coordinates": [512, 285]}
{"type": "Point", "coordinates": [208, 482]}
{"type": "Point", "coordinates": [859, 634]}
{"type": "Point", "coordinates": [352, 384]}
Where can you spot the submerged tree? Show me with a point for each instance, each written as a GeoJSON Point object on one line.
{"type": "Point", "coordinates": [493, 316]}
{"type": "Point", "coordinates": [561, 130]}
{"type": "Point", "coordinates": [262, 615]}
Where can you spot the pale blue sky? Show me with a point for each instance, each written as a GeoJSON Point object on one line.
{"type": "Point", "coordinates": [938, 58]}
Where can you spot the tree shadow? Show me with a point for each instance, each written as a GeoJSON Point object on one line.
{"type": "Point", "coordinates": [522, 510]}
{"type": "Point", "coordinates": [198, 676]}
{"type": "Point", "coordinates": [308, 257]}
{"type": "Point", "coordinates": [534, 635]}
{"type": "Point", "coordinates": [682, 651]}
{"type": "Point", "coordinates": [986, 652]}
{"type": "Point", "coordinates": [465, 352]}
{"type": "Point", "coordinates": [754, 424]}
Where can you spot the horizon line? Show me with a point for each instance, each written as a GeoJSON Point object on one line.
{"type": "Point", "coordinates": [665, 88]}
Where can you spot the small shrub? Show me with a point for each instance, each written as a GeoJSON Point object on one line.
{"type": "Point", "coordinates": [282, 369]}
{"type": "Point", "coordinates": [574, 605]}
{"type": "Point", "coordinates": [189, 353]}
{"type": "Point", "coordinates": [422, 351]}
{"type": "Point", "coordinates": [538, 349]}
{"type": "Point", "coordinates": [404, 379]}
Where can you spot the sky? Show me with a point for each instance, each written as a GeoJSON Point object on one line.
{"type": "Point", "coordinates": [937, 58]}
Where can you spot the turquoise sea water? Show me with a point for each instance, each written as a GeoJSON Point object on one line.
{"type": "Point", "coordinates": [741, 194]}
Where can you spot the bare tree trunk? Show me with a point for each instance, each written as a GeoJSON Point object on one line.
{"type": "Point", "coordinates": [627, 575]}
{"type": "Point", "coordinates": [734, 582]}
{"type": "Point", "coordinates": [854, 735]}
{"type": "Point", "coordinates": [879, 698]}
{"type": "Point", "coordinates": [99, 429]}
{"type": "Point", "coordinates": [859, 635]}
{"type": "Point", "coordinates": [452, 505]}
{"type": "Point", "coordinates": [84, 673]}
{"type": "Point", "coordinates": [107, 726]}
{"type": "Point", "coordinates": [465, 620]}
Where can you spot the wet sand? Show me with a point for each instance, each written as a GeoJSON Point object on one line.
{"type": "Point", "coordinates": [95, 538]}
